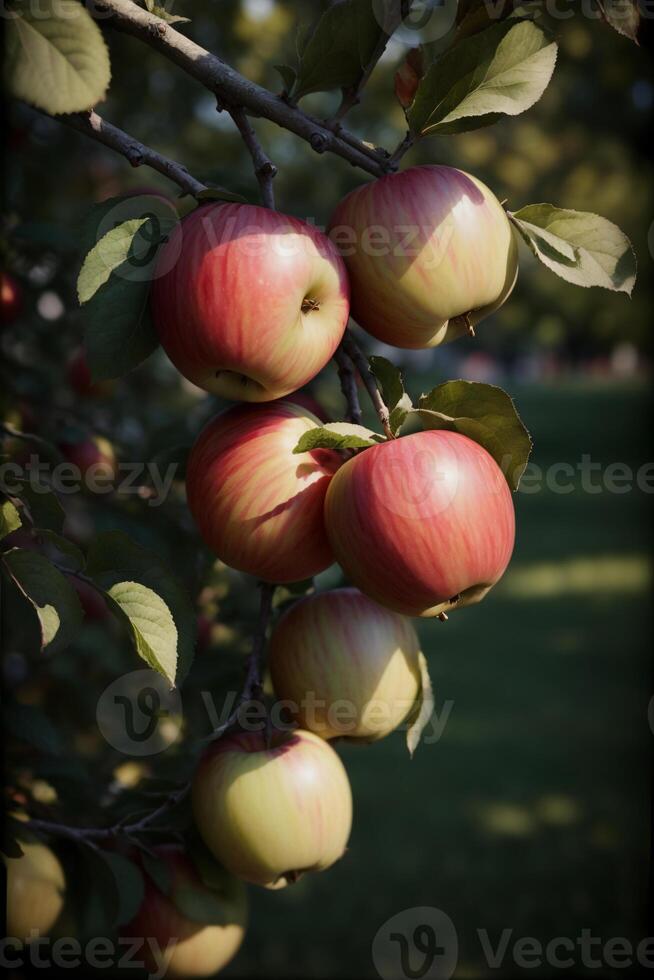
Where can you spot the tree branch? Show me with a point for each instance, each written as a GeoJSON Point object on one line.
{"type": "Point", "coordinates": [264, 169]}
{"type": "Point", "coordinates": [348, 378]}
{"type": "Point", "coordinates": [135, 152]}
{"type": "Point", "coordinates": [226, 83]}
{"type": "Point", "coordinates": [360, 362]}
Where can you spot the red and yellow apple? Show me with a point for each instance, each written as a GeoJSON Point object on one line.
{"type": "Point", "coordinates": [11, 298]}
{"type": "Point", "coordinates": [35, 891]}
{"type": "Point", "coordinates": [79, 378]}
{"type": "Point", "coordinates": [268, 814]}
{"type": "Point", "coordinates": [94, 457]}
{"type": "Point", "coordinates": [430, 252]}
{"type": "Point", "coordinates": [189, 948]}
{"type": "Point", "coordinates": [345, 665]}
{"type": "Point", "coordinates": [258, 506]}
{"type": "Point", "coordinates": [423, 523]}
{"type": "Point", "coordinates": [249, 304]}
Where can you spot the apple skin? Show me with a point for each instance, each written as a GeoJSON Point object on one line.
{"type": "Point", "coordinates": [11, 299]}
{"type": "Point", "coordinates": [258, 506]}
{"type": "Point", "coordinates": [94, 452]}
{"type": "Point", "coordinates": [420, 520]}
{"type": "Point", "coordinates": [79, 378]}
{"type": "Point", "coordinates": [341, 646]}
{"type": "Point", "coordinates": [415, 292]}
{"type": "Point", "coordinates": [201, 950]}
{"type": "Point", "coordinates": [270, 814]}
{"type": "Point", "coordinates": [228, 301]}
{"type": "Point", "coordinates": [35, 891]}
{"type": "Point", "coordinates": [307, 401]}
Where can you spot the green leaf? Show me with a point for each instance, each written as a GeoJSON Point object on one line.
{"type": "Point", "coordinates": [9, 519]}
{"type": "Point", "coordinates": [55, 56]}
{"type": "Point", "coordinates": [152, 624]}
{"type": "Point", "coordinates": [122, 237]}
{"type": "Point", "coordinates": [219, 194]}
{"type": "Point", "coordinates": [503, 70]}
{"type": "Point", "coordinates": [114, 558]}
{"type": "Point", "coordinates": [160, 11]}
{"type": "Point", "coordinates": [43, 506]}
{"type": "Point", "coordinates": [423, 708]}
{"type": "Point", "coordinates": [29, 724]}
{"type": "Point", "coordinates": [623, 16]}
{"type": "Point", "coordinates": [159, 871]}
{"type": "Point", "coordinates": [73, 557]}
{"type": "Point", "coordinates": [50, 593]}
{"type": "Point", "coordinates": [338, 435]}
{"type": "Point", "coordinates": [121, 883]}
{"type": "Point", "coordinates": [484, 413]}
{"type": "Point", "coordinates": [108, 254]}
{"type": "Point", "coordinates": [340, 47]}
{"type": "Point", "coordinates": [395, 397]}
{"type": "Point", "coordinates": [288, 76]}
{"type": "Point", "coordinates": [580, 247]}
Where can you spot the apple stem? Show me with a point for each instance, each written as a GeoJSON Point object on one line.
{"type": "Point", "coordinates": [443, 617]}
{"type": "Point", "coordinates": [360, 362]}
{"type": "Point", "coordinates": [348, 379]}
{"type": "Point", "coordinates": [468, 323]}
{"type": "Point", "coordinates": [264, 169]}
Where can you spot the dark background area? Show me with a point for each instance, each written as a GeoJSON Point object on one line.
{"type": "Point", "coordinates": [532, 810]}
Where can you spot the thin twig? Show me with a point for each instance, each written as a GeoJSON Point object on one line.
{"type": "Point", "coordinates": [226, 83]}
{"type": "Point", "coordinates": [402, 147]}
{"type": "Point", "coordinates": [348, 378]}
{"type": "Point", "coordinates": [264, 169]}
{"type": "Point", "coordinates": [360, 362]}
{"type": "Point", "coordinates": [135, 152]}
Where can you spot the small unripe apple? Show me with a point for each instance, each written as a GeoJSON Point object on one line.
{"type": "Point", "coordinates": [35, 891]}
{"type": "Point", "coordinates": [11, 298]}
{"type": "Point", "coordinates": [422, 523]}
{"type": "Point", "coordinates": [270, 813]}
{"type": "Point", "coordinates": [198, 949]}
{"type": "Point", "coordinates": [79, 378]}
{"type": "Point", "coordinates": [95, 457]}
{"type": "Point", "coordinates": [258, 506]}
{"type": "Point", "coordinates": [345, 665]}
{"type": "Point", "coordinates": [249, 304]}
{"type": "Point", "coordinates": [430, 252]}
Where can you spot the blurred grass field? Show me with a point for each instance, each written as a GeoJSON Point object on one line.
{"type": "Point", "coordinates": [532, 811]}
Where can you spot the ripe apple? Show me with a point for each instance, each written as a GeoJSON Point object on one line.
{"type": "Point", "coordinates": [35, 891]}
{"type": "Point", "coordinates": [249, 304]}
{"type": "Point", "coordinates": [350, 666]}
{"type": "Point", "coordinates": [269, 814]}
{"type": "Point", "coordinates": [199, 949]}
{"type": "Point", "coordinates": [79, 378]}
{"type": "Point", "coordinates": [430, 252]}
{"type": "Point", "coordinates": [258, 506]}
{"type": "Point", "coordinates": [307, 401]}
{"type": "Point", "coordinates": [95, 457]}
{"type": "Point", "coordinates": [11, 298]}
{"type": "Point", "coordinates": [422, 523]}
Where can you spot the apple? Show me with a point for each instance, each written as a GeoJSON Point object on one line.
{"type": "Point", "coordinates": [270, 813]}
{"type": "Point", "coordinates": [11, 298]}
{"type": "Point", "coordinates": [430, 252]}
{"type": "Point", "coordinates": [305, 400]}
{"type": "Point", "coordinates": [422, 523]}
{"type": "Point", "coordinates": [79, 378]}
{"type": "Point", "coordinates": [94, 606]}
{"type": "Point", "coordinates": [249, 304]}
{"type": "Point", "coordinates": [199, 949]}
{"type": "Point", "coordinates": [258, 506]}
{"type": "Point", "coordinates": [348, 666]}
{"type": "Point", "coordinates": [94, 457]}
{"type": "Point", "coordinates": [35, 891]}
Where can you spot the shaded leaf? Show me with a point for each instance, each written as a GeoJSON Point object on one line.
{"type": "Point", "coordinates": [29, 724]}
{"type": "Point", "coordinates": [423, 708]}
{"type": "Point", "coordinates": [623, 16]}
{"type": "Point", "coordinates": [119, 332]}
{"type": "Point", "coordinates": [288, 76]}
{"type": "Point", "coordinates": [395, 397]}
{"type": "Point", "coordinates": [338, 435]}
{"type": "Point", "coordinates": [501, 71]}
{"type": "Point", "coordinates": [43, 505]}
{"type": "Point", "coordinates": [73, 557]}
{"type": "Point", "coordinates": [159, 871]}
{"type": "Point", "coordinates": [121, 883]}
{"type": "Point", "coordinates": [582, 248]}
{"type": "Point", "coordinates": [50, 593]}
{"type": "Point", "coordinates": [484, 413]}
{"type": "Point", "coordinates": [55, 56]}
{"type": "Point", "coordinates": [408, 75]}
{"type": "Point", "coordinates": [219, 194]}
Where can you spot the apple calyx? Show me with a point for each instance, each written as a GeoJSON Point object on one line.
{"type": "Point", "coordinates": [309, 304]}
